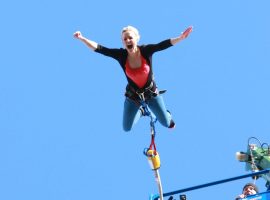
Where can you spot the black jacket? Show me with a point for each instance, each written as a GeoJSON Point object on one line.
{"type": "Point", "coordinates": [147, 51]}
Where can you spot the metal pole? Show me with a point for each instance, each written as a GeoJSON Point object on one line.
{"type": "Point", "coordinates": [215, 183]}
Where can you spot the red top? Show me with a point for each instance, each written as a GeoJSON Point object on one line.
{"type": "Point", "coordinates": [140, 74]}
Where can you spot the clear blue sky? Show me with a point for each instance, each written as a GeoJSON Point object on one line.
{"type": "Point", "coordinates": [61, 104]}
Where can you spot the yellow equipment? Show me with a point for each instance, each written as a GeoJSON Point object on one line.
{"type": "Point", "coordinates": [153, 159]}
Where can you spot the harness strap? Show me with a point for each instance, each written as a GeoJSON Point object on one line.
{"type": "Point", "coordinates": [144, 94]}
{"type": "Point", "coordinates": [152, 145]}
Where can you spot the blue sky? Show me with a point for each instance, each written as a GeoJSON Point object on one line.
{"type": "Point", "coordinates": [61, 104]}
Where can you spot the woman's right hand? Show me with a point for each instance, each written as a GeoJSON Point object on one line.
{"type": "Point", "coordinates": [91, 44]}
{"type": "Point", "coordinates": [78, 35]}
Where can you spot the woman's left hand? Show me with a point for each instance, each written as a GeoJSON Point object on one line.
{"type": "Point", "coordinates": [186, 33]}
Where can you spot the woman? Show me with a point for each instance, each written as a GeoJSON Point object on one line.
{"type": "Point", "coordinates": [136, 62]}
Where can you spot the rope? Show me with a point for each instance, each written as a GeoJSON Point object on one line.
{"type": "Point", "coordinates": [154, 158]}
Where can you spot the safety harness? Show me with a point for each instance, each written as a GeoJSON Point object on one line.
{"type": "Point", "coordinates": [142, 94]}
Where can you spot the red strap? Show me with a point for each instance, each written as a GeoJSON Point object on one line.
{"type": "Point", "coordinates": [153, 144]}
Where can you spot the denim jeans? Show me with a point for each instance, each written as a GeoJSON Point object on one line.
{"type": "Point", "coordinates": [132, 112]}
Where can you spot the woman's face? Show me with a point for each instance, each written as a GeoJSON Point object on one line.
{"type": "Point", "coordinates": [130, 40]}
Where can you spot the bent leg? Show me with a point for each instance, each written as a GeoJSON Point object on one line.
{"type": "Point", "coordinates": [131, 114]}
{"type": "Point", "coordinates": [157, 105]}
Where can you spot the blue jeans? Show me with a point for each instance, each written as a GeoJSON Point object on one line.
{"type": "Point", "coordinates": [132, 112]}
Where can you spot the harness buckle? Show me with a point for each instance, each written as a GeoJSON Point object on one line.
{"type": "Point", "coordinates": [141, 95]}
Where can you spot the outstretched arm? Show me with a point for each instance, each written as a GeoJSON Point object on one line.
{"type": "Point", "coordinates": [183, 35]}
{"type": "Point", "coordinates": [91, 44]}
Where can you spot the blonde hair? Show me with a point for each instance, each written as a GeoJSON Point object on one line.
{"type": "Point", "coordinates": [133, 29]}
